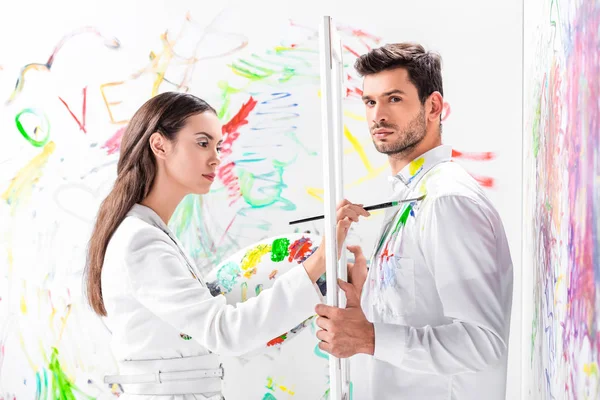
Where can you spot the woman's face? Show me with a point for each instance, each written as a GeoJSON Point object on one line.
{"type": "Point", "coordinates": [193, 157]}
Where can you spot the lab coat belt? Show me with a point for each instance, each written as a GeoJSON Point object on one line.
{"type": "Point", "coordinates": [182, 375]}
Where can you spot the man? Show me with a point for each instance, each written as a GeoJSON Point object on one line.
{"type": "Point", "coordinates": [430, 318]}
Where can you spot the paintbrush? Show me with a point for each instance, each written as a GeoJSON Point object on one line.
{"type": "Point", "coordinates": [368, 208]}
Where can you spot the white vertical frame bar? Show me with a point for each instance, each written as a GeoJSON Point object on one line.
{"type": "Point", "coordinates": [338, 122]}
{"type": "Point", "coordinates": [332, 127]}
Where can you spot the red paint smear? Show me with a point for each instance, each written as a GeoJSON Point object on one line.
{"type": "Point", "coordinates": [83, 110]}
{"type": "Point", "coordinates": [386, 253]}
{"type": "Point", "coordinates": [298, 249]}
{"type": "Point", "coordinates": [485, 181]}
{"type": "Point", "coordinates": [482, 156]}
{"type": "Point", "coordinates": [362, 34]}
{"type": "Point", "coordinates": [114, 143]}
{"type": "Point", "coordinates": [239, 119]}
{"type": "Point", "coordinates": [277, 340]}
{"type": "Point", "coordinates": [353, 52]}
{"type": "Point", "coordinates": [231, 133]}
{"type": "Point", "coordinates": [354, 91]}
{"type": "Point", "coordinates": [230, 180]}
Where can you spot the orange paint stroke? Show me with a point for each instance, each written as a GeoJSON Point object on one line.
{"type": "Point", "coordinates": [111, 103]}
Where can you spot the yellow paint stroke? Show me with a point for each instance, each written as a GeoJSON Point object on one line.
{"type": "Point", "coordinates": [51, 319]}
{"type": "Point", "coordinates": [22, 184]}
{"type": "Point", "coordinates": [161, 63]}
{"type": "Point", "coordinates": [590, 369]}
{"type": "Point", "coordinates": [371, 175]}
{"type": "Point", "coordinates": [21, 80]}
{"type": "Point", "coordinates": [244, 291]}
{"type": "Point", "coordinates": [252, 258]}
{"type": "Point", "coordinates": [359, 149]}
{"type": "Point", "coordinates": [23, 305]}
{"type": "Point", "coordinates": [33, 366]}
{"type": "Point", "coordinates": [415, 166]}
{"type": "Point", "coordinates": [286, 390]}
{"type": "Point", "coordinates": [64, 323]}
{"type": "Point", "coordinates": [319, 193]}
{"type": "Point", "coordinates": [271, 385]}
{"type": "Point", "coordinates": [356, 117]}
{"type": "Point", "coordinates": [315, 192]}
{"type": "Point", "coordinates": [560, 278]}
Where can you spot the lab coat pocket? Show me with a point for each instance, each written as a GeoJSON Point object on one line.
{"type": "Point", "coordinates": [399, 298]}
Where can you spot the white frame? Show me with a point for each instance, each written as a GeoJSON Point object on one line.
{"type": "Point", "coordinates": [332, 75]}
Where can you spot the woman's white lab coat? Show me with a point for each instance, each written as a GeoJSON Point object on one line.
{"type": "Point", "coordinates": [158, 309]}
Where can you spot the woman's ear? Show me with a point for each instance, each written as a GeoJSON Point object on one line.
{"type": "Point", "coordinates": [158, 144]}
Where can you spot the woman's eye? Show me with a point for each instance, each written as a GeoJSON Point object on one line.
{"type": "Point", "coordinates": [203, 144]}
{"type": "Point", "coordinates": [219, 149]}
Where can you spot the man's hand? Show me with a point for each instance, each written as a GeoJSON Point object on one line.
{"type": "Point", "coordinates": [345, 331]}
{"type": "Point", "coordinates": [357, 271]}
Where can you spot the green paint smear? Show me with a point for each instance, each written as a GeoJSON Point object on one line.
{"type": "Point", "coordinates": [534, 330]}
{"type": "Point", "coordinates": [280, 249]}
{"type": "Point", "coordinates": [405, 215]}
{"type": "Point", "coordinates": [269, 396]}
{"type": "Point", "coordinates": [184, 215]}
{"type": "Point", "coordinates": [258, 288]}
{"type": "Point", "coordinates": [63, 389]}
{"type": "Point", "coordinates": [321, 354]}
{"type": "Point", "coordinates": [258, 196]}
{"type": "Point", "coordinates": [45, 127]}
{"type": "Point", "coordinates": [403, 218]}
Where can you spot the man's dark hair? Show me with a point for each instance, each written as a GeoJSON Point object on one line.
{"type": "Point", "coordinates": [424, 67]}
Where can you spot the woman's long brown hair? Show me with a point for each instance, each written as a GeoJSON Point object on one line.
{"type": "Point", "coordinates": [165, 113]}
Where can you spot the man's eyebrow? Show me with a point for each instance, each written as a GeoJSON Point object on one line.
{"type": "Point", "coordinates": [388, 93]}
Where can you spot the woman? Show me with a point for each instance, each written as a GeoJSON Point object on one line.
{"type": "Point", "coordinates": [166, 327]}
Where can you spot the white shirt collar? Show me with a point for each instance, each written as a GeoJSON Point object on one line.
{"type": "Point", "coordinates": [414, 170]}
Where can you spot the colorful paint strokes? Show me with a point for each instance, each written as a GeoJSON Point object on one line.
{"type": "Point", "coordinates": [562, 212]}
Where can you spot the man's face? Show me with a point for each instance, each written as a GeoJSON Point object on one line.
{"type": "Point", "coordinates": [395, 114]}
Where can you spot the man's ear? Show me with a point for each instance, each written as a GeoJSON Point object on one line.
{"type": "Point", "coordinates": [436, 107]}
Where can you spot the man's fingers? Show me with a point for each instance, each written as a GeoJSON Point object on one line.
{"type": "Point", "coordinates": [324, 336]}
{"type": "Point", "coordinates": [357, 251]}
{"type": "Point", "coordinates": [326, 347]}
{"type": "Point", "coordinates": [324, 323]}
{"type": "Point", "coordinates": [342, 204]}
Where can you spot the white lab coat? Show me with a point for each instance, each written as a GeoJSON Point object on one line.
{"type": "Point", "coordinates": [439, 292]}
{"type": "Point", "coordinates": [158, 309]}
